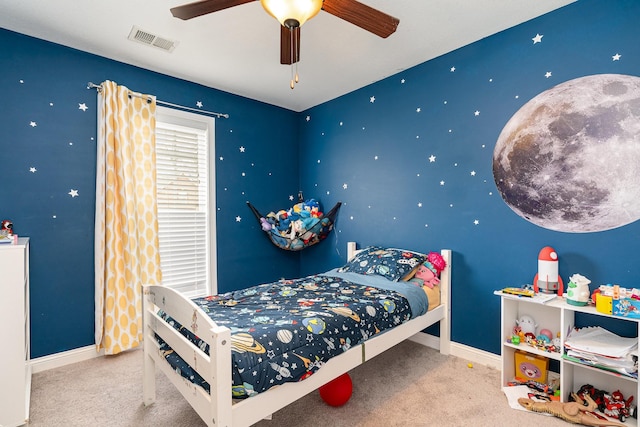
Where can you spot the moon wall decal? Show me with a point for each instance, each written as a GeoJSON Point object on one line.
{"type": "Point", "coordinates": [569, 159]}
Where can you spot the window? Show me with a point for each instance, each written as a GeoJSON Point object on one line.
{"type": "Point", "coordinates": [186, 201]}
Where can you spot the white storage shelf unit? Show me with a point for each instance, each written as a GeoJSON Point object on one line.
{"type": "Point", "coordinates": [15, 368]}
{"type": "Point", "coordinates": [559, 316]}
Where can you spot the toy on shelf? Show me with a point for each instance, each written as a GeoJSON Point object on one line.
{"type": "Point", "coordinates": [527, 325]}
{"type": "Point", "coordinates": [547, 279]}
{"type": "Point", "coordinates": [530, 367]}
{"type": "Point", "coordinates": [6, 231]}
{"type": "Point", "coordinates": [521, 292]}
{"type": "Point", "coordinates": [617, 300]}
{"type": "Point", "coordinates": [525, 332]}
{"type": "Point", "coordinates": [611, 404]}
{"type": "Point", "coordinates": [578, 290]}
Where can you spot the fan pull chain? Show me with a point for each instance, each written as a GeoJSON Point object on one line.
{"type": "Point", "coordinates": [294, 72]}
{"type": "Point", "coordinates": [294, 75]}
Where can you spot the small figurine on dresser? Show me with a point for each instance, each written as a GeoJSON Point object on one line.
{"type": "Point", "coordinates": [6, 231]}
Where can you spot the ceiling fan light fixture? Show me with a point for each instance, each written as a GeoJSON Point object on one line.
{"type": "Point", "coordinates": [292, 13]}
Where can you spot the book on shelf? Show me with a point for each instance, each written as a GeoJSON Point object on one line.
{"type": "Point", "coordinates": [539, 297]}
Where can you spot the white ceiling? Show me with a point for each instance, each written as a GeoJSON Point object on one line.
{"type": "Point", "coordinates": [237, 49]}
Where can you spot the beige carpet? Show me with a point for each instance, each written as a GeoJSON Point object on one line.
{"type": "Point", "coordinates": [407, 385]}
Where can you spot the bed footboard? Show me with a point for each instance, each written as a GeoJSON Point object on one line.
{"type": "Point", "coordinates": [213, 408]}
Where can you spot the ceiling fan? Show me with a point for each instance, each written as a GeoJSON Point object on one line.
{"type": "Point", "coordinates": [293, 13]}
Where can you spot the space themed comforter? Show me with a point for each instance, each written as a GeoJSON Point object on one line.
{"type": "Point", "coordinates": [286, 330]}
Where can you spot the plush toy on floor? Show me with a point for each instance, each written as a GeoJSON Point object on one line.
{"type": "Point", "coordinates": [573, 412]}
{"type": "Point", "coordinates": [337, 392]}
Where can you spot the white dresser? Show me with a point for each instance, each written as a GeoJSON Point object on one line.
{"type": "Point", "coordinates": [15, 367]}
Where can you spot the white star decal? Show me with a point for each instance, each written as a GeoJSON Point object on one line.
{"type": "Point", "coordinates": [453, 69]}
{"type": "Point", "coordinates": [308, 118]}
{"type": "Point", "coordinates": [402, 81]}
{"type": "Point", "coordinates": [375, 157]}
{"type": "Point", "coordinates": [199, 104]}
{"type": "Point", "coordinates": [476, 113]}
{"type": "Point", "coordinates": [547, 74]}
{"type": "Point", "coordinates": [241, 149]}
{"type": "Point", "coordinates": [345, 186]}
{"type": "Point", "coordinates": [291, 197]}
{"type": "Point", "coordinates": [418, 110]}
{"type": "Point", "coordinates": [432, 158]}
{"type": "Point", "coordinates": [238, 218]}
{"type": "Point", "coordinates": [616, 57]}
{"type": "Point", "coordinates": [537, 38]}
{"type": "Point", "coordinates": [32, 169]}
{"type": "Point", "coordinates": [419, 204]}
{"type": "Point", "coordinates": [73, 193]}
{"type": "Point", "coordinates": [473, 173]}
{"type": "Point", "coordinates": [441, 182]}
{"type": "Point", "coordinates": [221, 158]}
{"type": "Point", "coordinates": [83, 107]}
{"type": "Point", "coordinates": [476, 222]}
{"type": "Point", "coordinates": [33, 124]}
{"type": "Point", "coordinates": [372, 99]}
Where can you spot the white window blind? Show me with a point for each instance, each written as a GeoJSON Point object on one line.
{"type": "Point", "coordinates": [184, 201]}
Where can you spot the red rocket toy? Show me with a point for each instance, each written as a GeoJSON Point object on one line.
{"type": "Point", "coordinates": [547, 280]}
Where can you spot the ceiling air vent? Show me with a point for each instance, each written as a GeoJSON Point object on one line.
{"type": "Point", "coordinates": [145, 37]}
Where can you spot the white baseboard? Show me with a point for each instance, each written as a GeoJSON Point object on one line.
{"type": "Point", "coordinates": [462, 351]}
{"type": "Point", "coordinates": [89, 352]}
{"type": "Point", "coordinates": [64, 358]}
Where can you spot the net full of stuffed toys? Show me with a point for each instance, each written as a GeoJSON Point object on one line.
{"type": "Point", "coordinates": [302, 225]}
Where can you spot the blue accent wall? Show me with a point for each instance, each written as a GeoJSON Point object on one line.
{"type": "Point", "coordinates": [370, 149]}
{"type": "Point", "coordinates": [43, 126]}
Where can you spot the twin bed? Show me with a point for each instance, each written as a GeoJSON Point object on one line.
{"type": "Point", "coordinates": [239, 357]}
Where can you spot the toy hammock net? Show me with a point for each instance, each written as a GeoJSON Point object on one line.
{"type": "Point", "coordinates": [301, 226]}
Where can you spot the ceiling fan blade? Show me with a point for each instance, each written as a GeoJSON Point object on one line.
{"type": "Point", "coordinates": [199, 8]}
{"type": "Point", "coordinates": [289, 45]}
{"type": "Point", "coordinates": [363, 16]}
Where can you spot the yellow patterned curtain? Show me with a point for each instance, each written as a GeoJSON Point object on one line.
{"type": "Point", "coordinates": [126, 239]}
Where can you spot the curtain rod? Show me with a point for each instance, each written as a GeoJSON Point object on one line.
{"type": "Point", "coordinates": [91, 85]}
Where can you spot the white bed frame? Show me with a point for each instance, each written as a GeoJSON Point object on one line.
{"type": "Point", "coordinates": [218, 408]}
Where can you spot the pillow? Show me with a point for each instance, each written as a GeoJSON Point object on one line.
{"type": "Point", "coordinates": [393, 264]}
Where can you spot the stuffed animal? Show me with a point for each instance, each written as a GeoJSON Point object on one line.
{"type": "Point", "coordinates": [428, 273]}
{"type": "Point", "coordinates": [425, 276]}
{"type": "Point", "coordinates": [527, 325]}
